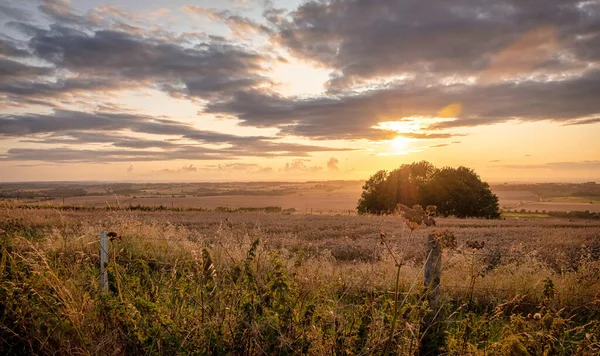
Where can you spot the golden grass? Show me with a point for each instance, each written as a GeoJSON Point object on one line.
{"type": "Point", "coordinates": [335, 263]}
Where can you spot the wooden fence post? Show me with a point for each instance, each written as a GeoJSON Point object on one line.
{"type": "Point", "coordinates": [430, 338]}
{"type": "Point", "coordinates": [103, 261]}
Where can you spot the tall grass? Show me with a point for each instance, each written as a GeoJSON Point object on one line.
{"type": "Point", "coordinates": [176, 289]}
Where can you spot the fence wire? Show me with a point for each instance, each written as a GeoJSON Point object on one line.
{"type": "Point", "coordinates": [448, 288]}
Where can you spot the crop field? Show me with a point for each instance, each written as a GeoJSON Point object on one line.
{"type": "Point", "coordinates": [328, 197]}
{"type": "Point", "coordinates": [184, 282]}
{"type": "Point", "coordinates": [336, 201]}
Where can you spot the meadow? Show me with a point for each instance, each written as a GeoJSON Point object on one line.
{"type": "Point", "coordinates": [328, 197]}
{"type": "Point", "coordinates": [192, 282]}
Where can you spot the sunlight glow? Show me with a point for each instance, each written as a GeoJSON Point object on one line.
{"type": "Point", "coordinates": [400, 126]}
{"type": "Point", "coordinates": [399, 143]}
{"type": "Point", "coordinates": [298, 78]}
{"type": "Point", "coordinates": [418, 124]}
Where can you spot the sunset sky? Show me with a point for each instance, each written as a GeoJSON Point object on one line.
{"type": "Point", "coordinates": [246, 90]}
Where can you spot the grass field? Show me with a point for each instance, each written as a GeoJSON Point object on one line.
{"type": "Point", "coordinates": [524, 215]}
{"type": "Point", "coordinates": [303, 197]}
{"type": "Point", "coordinates": [255, 283]}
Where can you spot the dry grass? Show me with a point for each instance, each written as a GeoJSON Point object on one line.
{"type": "Point", "coordinates": [332, 265]}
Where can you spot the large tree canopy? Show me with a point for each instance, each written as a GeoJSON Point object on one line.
{"type": "Point", "coordinates": [455, 191]}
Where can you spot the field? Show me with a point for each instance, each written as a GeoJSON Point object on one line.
{"type": "Point", "coordinates": [325, 202]}
{"type": "Point", "coordinates": [255, 283]}
{"type": "Point", "coordinates": [318, 197]}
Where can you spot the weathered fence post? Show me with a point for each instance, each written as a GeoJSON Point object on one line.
{"type": "Point", "coordinates": [433, 270]}
{"type": "Point", "coordinates": [103, 261]}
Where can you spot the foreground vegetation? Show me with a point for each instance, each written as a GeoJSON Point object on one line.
{"type": "Point", "coordinates": [252, 283]}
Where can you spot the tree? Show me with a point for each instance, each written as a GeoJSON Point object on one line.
{"type": "Point", "coordinates": [455, 191]}
{"type": "Point", "coordinates": [460, 192]}
{"type": "Point", "coordinates": [383, 191]}
{"type": "Point", "coordinates": [374, 198]}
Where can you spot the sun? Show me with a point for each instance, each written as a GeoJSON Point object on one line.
{"type": "Point", "coordinates": [400, 126]}
{"type": "Point", "coordinates": [399, 144]}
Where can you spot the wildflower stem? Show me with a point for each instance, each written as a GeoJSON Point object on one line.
{"type": "Point", "coordinates": [388, 344]}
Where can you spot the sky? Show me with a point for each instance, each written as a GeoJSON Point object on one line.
{"type": "Point", "coordinates": [253, 90]}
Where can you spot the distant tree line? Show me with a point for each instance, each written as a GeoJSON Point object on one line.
{"type": "Point", "coordinates": [573, 214]}
{"type": "Point", "coordinates": [58, 192]}
{"type": "Point", "coordinates": [454, 191]}
{"type": "Point", "coordinates": [588, 189]}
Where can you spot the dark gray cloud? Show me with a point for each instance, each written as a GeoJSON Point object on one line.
{"type": "Point", "coordinates": [65, 127]}
{"type": "Point", "coordinates": [61, 12]}
{"type": "Point", "coordinates": [80, 127]}
{"type": "Point", "coordinates": [328, 117]}
{"type": "Point", "coordinates": [593, 120]}
{"type": "Point", "coordinates": [550, 45]}
{"type": "Point", "coordinates": [11, 48]}
{"type": "Point", "coordinates": [74, 155]}
{"type": "Point", "coordinates": [14, 13]}
{"type": "Point", "coordinates": [116, 140]}
{"type": "Point", "coordinates": [215, 67]}
{"type": "Point", "coordinates": [352, 116]}
{"type": "Point", "coordinates": [178, 152]}
{"type": "Point", "coordinates": [20, 92]}
{"type": "Point", "coordinates": [10, 69]}
{"type": "Point", "coordinates": [363, 39]}
{"type": "Point", "coordinates": [241, 26]}
{"type": "Point", "coordinates": [67, 120]}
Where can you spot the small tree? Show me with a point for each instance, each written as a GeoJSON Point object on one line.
{"type": "Point", "coordinates": [374, 198]}
{"type": "Point", "coordinates": [384, 191]}
{"type": "Point", "coordinates": [460, 192]}
{"type": "Point", "coordinates": [455, 191]}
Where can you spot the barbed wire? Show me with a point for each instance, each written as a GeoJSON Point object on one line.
{"type": "Point", "coordinates": [446, 288]}
{"type": "Point", "coordinates": [591, 297]}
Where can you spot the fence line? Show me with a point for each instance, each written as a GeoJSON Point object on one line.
{"type": "Point", "coordinates": [264, 241]}
{"type": "Point", "coordinates": [104, 249]}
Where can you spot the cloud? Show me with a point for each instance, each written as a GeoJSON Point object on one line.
{"type": "Point", "coordinates": [14, 13]}
{"type": "Point", "coordinates": [332, 164]}
{"type": "Point", "coordinates": [593, 120]}
{"type": "Point", "coordinates": [299, 166]}
{"type": "Point", "coordinates": [77, 155]}
{"type": "Point", "coordinates": [185, 169]}
{"type": "Point", "coordinates": [10, 69]}
{"type": "Point", "coordinates": [242, 27]}
{"type": "Point", "coordinates": [353, 115]}
{"type": "Point", "coordinates": [391, 61]}
{"type": "Point", "coordinates": [69, 120]}
{"type": "Point", "coordinates": [363, 40]}
{"type": "Point", "coordinates": [246, 168]}
{"type": "Point", "coordinates": [12, 49]}
{"type": "Point", "coordinates": [209, 68]}
{"type": "Point", "coordinates": [20, 92]}
{"type": "Point", "coordinates": [101, 61]}
{"type": "Point", "coordinates": [67, 127]}
{"type": "Point", "coordinates": [61, 12]}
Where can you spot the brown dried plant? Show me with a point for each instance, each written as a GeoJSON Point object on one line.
{"type": "Point", "coordinates": [414, 218]}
